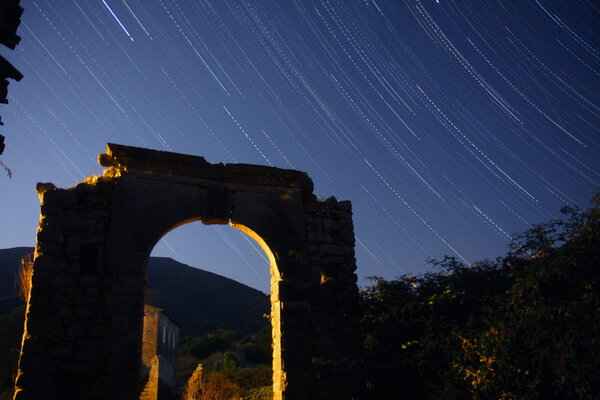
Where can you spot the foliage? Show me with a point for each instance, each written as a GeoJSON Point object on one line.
{"type": "Point", "coordinates": [547, 342]}
{"type": "Point", "coordinates": [256, 349]}
{"type": "Point", "coordinates": [229, 382]}
{"type": "Point", "coordinates": [11, 330]}
{"type": "Point", "coordinates": [23, 279]}
{"type": "Point", "coordinates": [218, 386]}
{"type": "Point", "coordinates": [203, 346]}
{"type": "Point", "coordinates": [261, 393]}
{"type": "Point", "coordinates": [525, 326]}
{"type": "Point", "coordinates": [234, 370]}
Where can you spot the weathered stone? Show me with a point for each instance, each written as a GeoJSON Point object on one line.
{"type": "Point", "coordinates": [77, 330]}
{"type": "Point", "coordinates": [88, 280]}
{"type": "Point", "coordinates": [345, 206]}
{"type": "Point", "coordinates": [52, 249]}
{"type": "Point", "coordinates": [86, 303]}
{"type": "Point", "coordinates": [330, 225]}
{"type": "Point", "coordinates": [46, 262]}
{"type": "Point", "coordinates": [50, 235]}
{"type": "Point", "coordinates": [62, 279]}
{"type": "Point", "coordinates": [73, 250]}
{"type": "Point", "coordinates": [86, 188]}
{"type": "Point", "coordinates": [62, 350]}
{"type": "Point", "coordinates": [52, 210]}
{"type": "Point", "coordinates": [336, 250]}
{"type": "Point", "coordinates": [59, 196]}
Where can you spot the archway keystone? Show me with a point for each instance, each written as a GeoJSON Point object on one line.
{"type": "Point", "coordinates": [83, 327]}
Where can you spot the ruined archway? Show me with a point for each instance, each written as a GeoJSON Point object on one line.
{"type": "Point", "coordinates": [84, 317]}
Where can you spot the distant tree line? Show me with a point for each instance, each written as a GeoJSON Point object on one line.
{"type": "Point", "coordinates": [525, 326]}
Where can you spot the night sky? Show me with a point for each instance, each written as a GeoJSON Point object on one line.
{"type": "Point", "coordinates": [451, 125]}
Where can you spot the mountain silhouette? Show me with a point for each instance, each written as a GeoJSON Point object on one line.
{"type": "Point", "coordinates": [200, 301]}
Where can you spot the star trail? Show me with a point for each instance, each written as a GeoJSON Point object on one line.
{"type": "Point", "coordinates": [451, 125]}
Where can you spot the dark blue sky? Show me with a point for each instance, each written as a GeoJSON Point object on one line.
{"type": "Point", "coordinates": [450, 125]}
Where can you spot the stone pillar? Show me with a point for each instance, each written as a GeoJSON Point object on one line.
{"type": "Point", "coordinates": [61, 356]}
{"type": "Point", "coordinates": [335, 330]}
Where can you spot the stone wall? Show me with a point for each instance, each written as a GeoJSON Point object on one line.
{"type": "Point", "coordinates": [334, 305]}
{"type": "Point", "coordinates": [67, 316]}
{"type": "Point", "coordinates": [84, 318]}
{"type": "Point", "coordinates": [151, 387]}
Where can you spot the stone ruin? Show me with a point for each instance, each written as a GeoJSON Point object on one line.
{"type": "Point", "coordinates": [160, 343]}
{"type": "Point", "coordinates": [83, 329]}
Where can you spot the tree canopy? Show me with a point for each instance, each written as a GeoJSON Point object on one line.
{"type": "Point", "coordinates": [523, 326]}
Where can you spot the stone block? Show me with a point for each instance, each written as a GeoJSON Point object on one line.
{"type": "Point", "coordinates": [88, 280]}
{"type": "Point", "coordinates": [52, 249]}
{"type": "Point", "coordinates": [330, 225]}
{"type": "Point", "coordinates": [73, 250]}
{"type": "Point", "coordinates": [344, 205]}
{"type": "Point", "coordinates": [86, 188]}
{"type": "Point", "coordinates": [332, 260]}
{"type": "Point", "coordinates": [87, 355]}
{"type": "Point", "coordinates": [84, 312]}
{"type": "Point", "coordinates": [295, 310]}
{"type": "Point", "coordinates": [336, 250]}
{"type": "Point", "coordinates": [59, 196]}
{"type": "Point", "coordinates": [77, 330]}
{"type": "Point", "coordinates": [124, 325]}
{"type": "Point", "coordinates": [294, 291]}
{"type": "Point", "coordinates": [35, 346]}
{"type": "Point", "coordinates": [99, 329]}
{"type": "Point", "coordinates": [37, 382]}
{"type": "Point", "coordinates": [65, 311]}
{"type": "Point", "coordinates": [63, 279]}
{"type": "Point", "coordinates": [47, 262]}
{"type": "Point", "coordinates": [50, 235]}
{"type": "Point", "coordinates": [74, 291]}
{"type": "Point", "coordinates": [61, 350]}
{"type": "Point", "coordinates": [52, 210]}
{"type": "Point", "coordinates": [319, 237]}
{"type": "Point", "coordinates": [92, 236]}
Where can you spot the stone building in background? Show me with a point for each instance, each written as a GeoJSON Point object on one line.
{"type": "Point", "coordinates": [160, 343]}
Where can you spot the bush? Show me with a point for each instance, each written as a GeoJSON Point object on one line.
{"type": "Point", "coordinates": [525, 326]}
{"type": "Point", "coordinates": [204, 346]}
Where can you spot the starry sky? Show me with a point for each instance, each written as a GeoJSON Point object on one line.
{"type": "Point", "coordinates": [451, 125]}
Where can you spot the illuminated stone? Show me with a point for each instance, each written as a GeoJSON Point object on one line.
{"type": "Point", "coordinates": [94, 241]}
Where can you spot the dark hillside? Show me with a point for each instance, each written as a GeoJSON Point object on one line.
{"type": "Point", "coordinates": [202, 301]}
{"type": "Point", "coordinates": [199, 300]}
{"type": "Point", "coordinates": [9, 264]}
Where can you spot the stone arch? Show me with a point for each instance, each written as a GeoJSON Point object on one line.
{"type": "Point", "coordinates": [84, 318]}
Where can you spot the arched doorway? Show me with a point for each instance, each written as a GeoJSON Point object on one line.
{"type": "Point", "coordinates": [84, 318]}
{"type": "Point", "coordinates": [197, 277]}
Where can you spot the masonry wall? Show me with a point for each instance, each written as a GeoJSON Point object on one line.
{"type": "Point", "coordinates": [66, 318]}
{"type": "Point", "coordinates": [149, 338]}
{"type": "Point", "coordinates": [84, 319]}
{"type": "Point", "coordinates": [334, 294]}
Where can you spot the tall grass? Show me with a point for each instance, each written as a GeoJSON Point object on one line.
{"type": "Point", "coordinates": [23, 279]}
